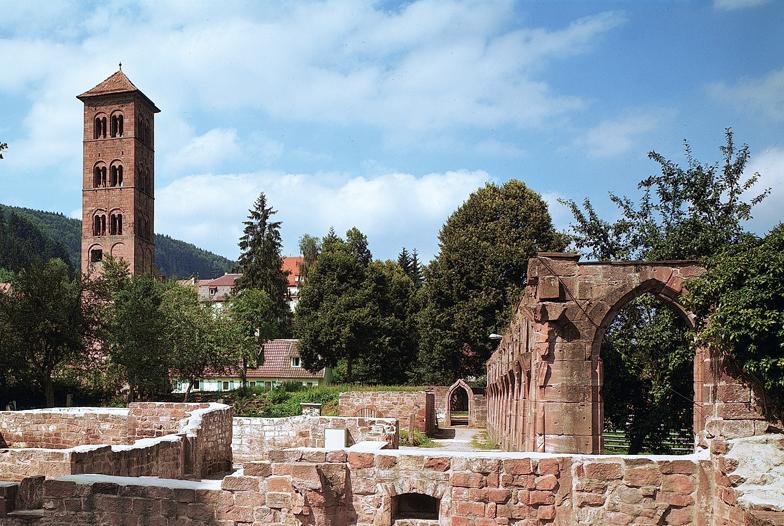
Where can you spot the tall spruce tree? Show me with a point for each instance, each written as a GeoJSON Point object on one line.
{"type": "Point", "coordinates": [260, 261]}
{"type": "Point", "coordinates": [473, 284]}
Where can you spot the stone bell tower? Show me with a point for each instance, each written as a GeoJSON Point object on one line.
{"type": "Point", "coordinates": [118, 176]}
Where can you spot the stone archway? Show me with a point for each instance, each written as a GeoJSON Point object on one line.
{"type": "Point", "coordinates": [551, 346]}
{"type": "Point", "coordinates": [460, 386]}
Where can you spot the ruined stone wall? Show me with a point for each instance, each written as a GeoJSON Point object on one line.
{"type": "Point", "coordinates": [62, 427]}
{"type": "Point", "coordinates": [544, 390]}
{"type": "Point", "coordinates": [254, 438]}
{"type": "Point", "coordinates": [200, 444]}
{"type": "Point", "coordinates": [392, 404]}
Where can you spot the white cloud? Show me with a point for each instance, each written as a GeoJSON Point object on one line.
{"type": "Point", "coordinates": [207, 150]}
{"type": "Point", "coordinates": [770, 165]}
{"type": "Point", "coordinates": [617, 136]}
{"type": "Point", "coordinates": [731, 5]}
{"type": "Point", "coordinates": [764, 94]}
{"type": "Point", "coordinates": [394, 209]}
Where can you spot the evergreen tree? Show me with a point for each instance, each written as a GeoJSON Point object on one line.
{"type": "Point", "coordinates": [472, 286]}
{"type": "Point", "coordinates": [404, 260]}
{"type": "Point", "coordinates": [415, 270]}
{"type": "Point", "coordinates": [260, 261]}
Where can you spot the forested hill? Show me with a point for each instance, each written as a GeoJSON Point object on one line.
{"type": "Point", "coordinates": [26, 233]}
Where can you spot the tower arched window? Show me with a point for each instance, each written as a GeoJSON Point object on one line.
{"type": "Point", "coordinates": [99, 176]}
{"type": "Point", "coordinates": [99, 127]}
{"type": "Point", "coordinates": [99, 225]}
{"type": "Point", "coordinates": [115, 224]}
{"type": "Point", "coordinates": [117, 124]}
{"type": "Point", "coordinates": [116, 175]}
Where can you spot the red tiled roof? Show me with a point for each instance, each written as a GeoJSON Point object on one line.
{"type": "Point", "coordinates": [277, 362]}
{"type": "Point", "coordinates": [227, 280]}
{"type": "Point", "coordinates": [118, 82]}
{"type": "Point", "coordinates": [291, 264]}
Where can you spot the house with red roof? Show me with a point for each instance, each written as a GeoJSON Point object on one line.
{"type": "Point", "coordinates": [282, 364]}
{"type": "Point", "coordinates": [217, 291]}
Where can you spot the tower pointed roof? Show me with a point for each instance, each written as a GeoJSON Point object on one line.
{"type": "Point", "coordinates": [118, 82]}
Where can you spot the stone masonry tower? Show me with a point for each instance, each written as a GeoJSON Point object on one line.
{"type": "Point", "coordinates": [118, 176]}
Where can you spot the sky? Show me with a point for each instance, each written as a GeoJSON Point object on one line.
{"type": "Point", "coordinates": [387, 115]}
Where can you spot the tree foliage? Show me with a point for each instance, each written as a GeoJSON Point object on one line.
{"type": "Point", "coordinates": [739, 305]}
{"type": "Point", "coordinates": [472, 285]}
{"type": "Point", "coordinates": [260, 261]}
{"type": "Point", "coordinates": [409, 262]}
{"type": "Point", "coordinates": [354, 313]}
{"type": "Point", "coordinates": [252, 312]}
{"type": "Point", "coordinates": [47, 320]}
{"type": "Point", "coordinates": [309, 248]}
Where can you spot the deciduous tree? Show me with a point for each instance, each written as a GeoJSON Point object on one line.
{"type": "Point", "coordinates": [474, 282]}
{"type": "Point", "coordinates": [253, 313]}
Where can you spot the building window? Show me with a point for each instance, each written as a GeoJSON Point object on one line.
{"type": "Point", "coordinates": [99, 130]}
{"type": "Point", "coordinates": [295, 361]}
{"type": "Point", "coordinates": [99, 176]}
{"type": "Point", "coordinates": [99, 225]}
{"type": "Point", "coordinates": [225, 386]}
{"type": "Point", "coordinates": [96, 255]}
{"type": "Point", "coordinates": [117, 125]}
{"type": "Point", "coordinates": [115, 225]}
{"type": "Point", "coordinates": [116, 175]}
{"type": "Point", "coordinates": [195, 385]}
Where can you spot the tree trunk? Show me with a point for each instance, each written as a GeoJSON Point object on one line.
{"type": "Point", "coordinates": [49, 391]}
{"type": "Point", "coordinates": [188, 391]}
{"type": "Point", "coordinates": [244, 376]}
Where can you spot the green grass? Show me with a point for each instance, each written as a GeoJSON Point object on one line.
{"type": "Point", "coordinates": [419, 439]}
{"type": "Point", "coordinates": [481, 440]}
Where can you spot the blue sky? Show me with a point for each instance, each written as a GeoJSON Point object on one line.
{"type": "Point", "coordinates": [387, 115]}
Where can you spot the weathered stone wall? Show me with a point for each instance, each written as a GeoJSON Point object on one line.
{"type": "Point", "coordinates": [63, 427]}
{"type": "Point", "coordinates": [199, 444]}
{"type": "Point", "coordinates": [254, 438]}
{"type": "Point", "coordinates": [544, 381]}
{"type": "Point", "coordinates": [392, 404]}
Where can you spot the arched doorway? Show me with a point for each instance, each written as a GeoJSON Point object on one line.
{"type": "Point", "coordinates": [459, 404]}
{"type": "Point", "coordinates": [645, 373]}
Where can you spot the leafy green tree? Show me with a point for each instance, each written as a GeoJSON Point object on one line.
{"type": "Point", "coordinates": [739, 305]}
{"type": "Point", "coordinates": [49, 320]}
{"type": "Point", "coordinates": [197, 339]}
{"type": "Point", "coordinates": [683, 213]}
{"type": "Point", "coordinates": [353, 313]}
{"type": "Point", "coordinates": [477, 277]}
{"type": "Point", "coordinates": [260, 261]}
{"type": "Point", "coordinates": [137, 342]}
{"type": "Point", "coordinates": [309, 247]}
{"type": "Point", "coordinates": [253, 313]}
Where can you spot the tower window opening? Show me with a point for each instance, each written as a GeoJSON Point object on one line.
{"type": "Point", "coordinates": [96, 255]}
{"type": "Point", "coordinates": [117, 125]}
{"type": "Point", "coordinates": [116, 175]}
{"type": "Point", "coordinates": [97, 178]}
{"type": "Point", "coordinates": [119, 175]}
{"type": "Point", "coordinates": [99, 225]}
{"type": "Point", "coordinates": [115, 225]}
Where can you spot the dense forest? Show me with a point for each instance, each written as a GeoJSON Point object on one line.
{"type": "Point", "coordinates": [27, 234]}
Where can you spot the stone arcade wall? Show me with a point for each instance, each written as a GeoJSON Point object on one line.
{"type": "Point", "coordinates": [254, 438]}
{"type": "Point", "coordinates": [544, 380]}
{"type": "Point", "coordinates": [197, 441]}
{"type": "Point", "coordinates": [392, 404]}
{"type": "Point", "coordinates": [340, 488]}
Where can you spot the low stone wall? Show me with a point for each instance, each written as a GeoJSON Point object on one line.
{"type": "Point", "coordinates": [392, 404]}
{"type": "Point", "coordinates": [254, 438]}
{"type": "Point", "coordinates": [198, 443]}
{"type": "Point", "coordinates": [61, 428]}
{"type": "Point", "coordinates": [345, 487]}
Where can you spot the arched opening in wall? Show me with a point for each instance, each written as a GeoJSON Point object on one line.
{"type": "Point", "coordinates": [459, 407]}
{"type": "Point", "coordinates": [647, 378]}
{"type": "Point", "coordinates": [117, 125]}
{"type": "Point", "coordinates": [415, 506]}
